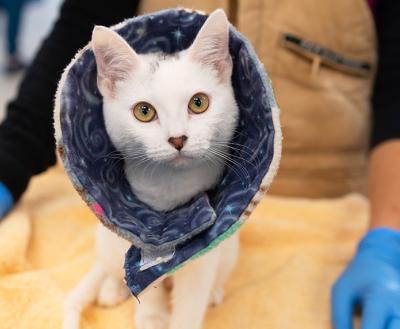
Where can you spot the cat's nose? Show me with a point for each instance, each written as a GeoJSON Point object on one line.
{"type": "Point", "coordinates": [178, 142]}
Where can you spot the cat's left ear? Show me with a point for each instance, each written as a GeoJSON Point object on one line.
{"type": "Point", "coordinates": [211, 46]}
{"type": "Point", "coordinates": [115, 59]}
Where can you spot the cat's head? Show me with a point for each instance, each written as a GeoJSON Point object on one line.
{"type": "Point", "coordinates": [178, 109]}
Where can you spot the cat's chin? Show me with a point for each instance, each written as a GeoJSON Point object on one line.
{"type": "Point", "coordinates": [181, 161]}
{"type": "Point", "coordinates": [185, 160]}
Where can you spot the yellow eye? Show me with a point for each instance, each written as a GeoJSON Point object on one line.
{"type": "Point", "coordinates": [144, 112]}
{"type": "Point", "coordinates": [199, 103]}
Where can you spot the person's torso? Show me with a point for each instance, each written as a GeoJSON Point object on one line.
{"type": "Point", "coordinates": [316, 53]}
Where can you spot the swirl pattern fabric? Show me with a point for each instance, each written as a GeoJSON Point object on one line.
{"type": "Point", "coordinates": [86, 150]}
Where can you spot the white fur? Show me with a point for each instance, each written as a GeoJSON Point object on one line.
{"type": "Point", "coordinates": [159, 174]}
{"type": "Point", "coordinates": [160, 178]}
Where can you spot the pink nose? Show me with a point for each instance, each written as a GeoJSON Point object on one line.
{"type": "Point", "coordinates": [178, 142]}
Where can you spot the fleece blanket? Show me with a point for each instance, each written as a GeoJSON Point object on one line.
{"type": "Point", "coordinates": [291, 252]}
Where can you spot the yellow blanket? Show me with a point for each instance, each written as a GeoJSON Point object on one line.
{"type": "Point", "coordinates": [292, 251]}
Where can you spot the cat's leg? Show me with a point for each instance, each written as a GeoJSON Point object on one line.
{"type": "Point", "coordinates": [192, 289]}
{"type": "Point", "coordinates": [113, 291]}
{"type": "Point", "coordinates": [81, 296]}
{"type": "Point", "coordinates": [152, 310]}
{"type": "Point", "coordinates": [228, 259]}
{"type": "Point", "coordinates": [104, 282]}
{"type": "Point", "coordinates": [111, 250]}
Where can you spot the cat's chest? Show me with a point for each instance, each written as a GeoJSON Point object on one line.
{"type": "Point", "coordinates": [164, 189]}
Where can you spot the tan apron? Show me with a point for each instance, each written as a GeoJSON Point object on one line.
{"type": "Point", "coordinates": [320, 85]}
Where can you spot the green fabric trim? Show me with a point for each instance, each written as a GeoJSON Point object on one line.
{"type": "Point", "coordinates": [211, 246]}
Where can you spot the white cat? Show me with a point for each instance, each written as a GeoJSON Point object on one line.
{"type": "Point", "coordinates": [172, 118]}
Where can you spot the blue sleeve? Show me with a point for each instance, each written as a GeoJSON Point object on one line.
{"type": "Point", "coordinates": [6, 200]}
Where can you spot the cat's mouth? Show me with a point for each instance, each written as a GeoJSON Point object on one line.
{"type": "Point", "coordinates": [181, 159]}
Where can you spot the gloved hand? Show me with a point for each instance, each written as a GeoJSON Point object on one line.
{"type": "Point", "coordinates": [371, 281]}
{"type": "Point", "coordinates": [6, 200]}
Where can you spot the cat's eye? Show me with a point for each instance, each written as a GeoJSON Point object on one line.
{"type": "Point", "coordinates": [144, 112]}
{"type": "Point", "coordinates": [199, 103]}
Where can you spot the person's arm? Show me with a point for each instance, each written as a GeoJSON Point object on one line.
{"type": "Point", "coordinates": [372, 279]}
{"type": "Point", "coordinates": [384, 184]}
{"type": "Point", "coordinates": [26, 135]}
{"type": "Point", "coordinates": [384, 163]}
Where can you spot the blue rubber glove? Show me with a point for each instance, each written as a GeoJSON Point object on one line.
{"type": "Point", "coordinates": [372, 282]}
{"type": "Point", "coordinates": [6, 200]}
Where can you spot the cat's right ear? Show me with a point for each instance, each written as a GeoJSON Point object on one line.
{"type": "Point", "coordinates": [115, 59]}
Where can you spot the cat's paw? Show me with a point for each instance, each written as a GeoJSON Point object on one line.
{"type": "Point", "coordinates": [112, 292]}
{"type": "Point", "coordinates": [217, 296]}
{"type": "Point", "coordinates": [152, 320]}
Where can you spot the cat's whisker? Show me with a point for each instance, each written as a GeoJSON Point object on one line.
{"type": "Point", "coordinates": [225, 153]}
{"type": "Point", "coordinates": [240, 146]}
{"type": "Point", "coordinates": [142, 162]}
{"type": "Point", "coordinates": [235, 166]}
{"type": "Point", "coordinates": [239, 150]}
{"type": "Point", "coordinates": [229, 166]}
{"type": "Point", "coordinates": [237, 147]}
{"type": "Point", "coordinates": [112, 154]}
{"type": "Point", "coordinates": [135, 157]}
{"type": "Point", "coordinates": [221, 147]}
{"type": "Point", "coordinates": [212, 161]}
{"type": "Point", "coordinates": [228, 156]}
{"type": "Point", "coordinates": [207, 162]}
{"type": "Point", "coordinates": [239, 154]}
{"type": "Point", "coordinates": [255, 165]}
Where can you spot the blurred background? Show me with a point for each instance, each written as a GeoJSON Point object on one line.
{"type": "Point", "coordinates": [37, 16]}
{"type": "Point", "coordinates": [322, 59]}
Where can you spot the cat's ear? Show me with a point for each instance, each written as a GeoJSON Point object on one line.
{"type": "Point", "coordinates": [211, 46]}
{"type": "Point", "coordinates": [114, 59]}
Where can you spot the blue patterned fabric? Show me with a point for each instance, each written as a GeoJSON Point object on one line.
{"type": "Point", "coordinates": [164, 240]}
